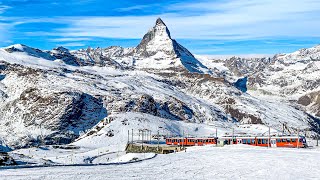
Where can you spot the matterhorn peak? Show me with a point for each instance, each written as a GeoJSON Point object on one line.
{"type": "Point", "coordinates": [159, 22]}
{"type": "Point", "coordinates": [158, 45]}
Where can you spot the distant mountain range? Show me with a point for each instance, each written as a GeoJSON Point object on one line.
{"type": "Point", "coordinates": [61, 96]}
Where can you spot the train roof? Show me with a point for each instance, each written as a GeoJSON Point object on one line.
{"type": "Point", "coordinates": [261, 137]}
{"type": "Point", "coordinates": [191, 137]}
{"type": "Point", "coordinates": [238, 137]}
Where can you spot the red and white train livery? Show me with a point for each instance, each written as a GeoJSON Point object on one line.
{"type": "Point", "coordinates": [273, 141]}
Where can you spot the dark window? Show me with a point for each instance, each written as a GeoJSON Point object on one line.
{"type": "Point", "coordinates": [248, 141]}
{"type": "Point", "coordinates": [293, 140]}
{"type": "Point", "coordinates": [259, 141]}
{"type": "Point", "coordinates": [278, 140]}
{"type": "Point", "coordinates": [253, 141]}
{"type": "Point", "coordinates": [244, 141]}
{"type": "Point", "coordinates": [288, 140]}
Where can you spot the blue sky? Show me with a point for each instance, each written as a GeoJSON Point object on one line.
{"type": "Point", "coordinates": [204, 26]}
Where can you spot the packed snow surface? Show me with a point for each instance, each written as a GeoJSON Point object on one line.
{"type": "Point", "coordinates": [207, 162]}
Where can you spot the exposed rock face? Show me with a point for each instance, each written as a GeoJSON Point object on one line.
{"type": "Point", "coordinates": [312, 102]}
{"type": "Point", "coordinates": [244, 67]}
{"type": "Point", "coordinates": [241, 84]}
{"type": "Point", "coordinates": [6, 160]}
{"type": "Point", "coordinates": [95, 57]}
{"type": "Point", "coordinates": [34, 113]}
{"type": "Point", "coordinates": [62, 114]}
{"type": "Point", "coordinates": [65, 55]}
{"type": "Point", "coordinates": [170, 108]}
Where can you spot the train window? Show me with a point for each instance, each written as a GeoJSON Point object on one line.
{"type": "Point", "coordinates": [264, 141]}
{"type": "Point", "coordinates": [244, 141]}
{"type": "Point", "coordinates": [253, 141]}
{"type": "Point", "coordinates": [288, 140]}
{"type": "Point", "coordinates": [248, 141]}
{"type": "Point", "coordinates": [283, 140]}
{"type": "Point", "coordinates": [300, 140]}
{"type": "Point", "coordinates": [278, 140]}
{"type": "Point", "coordinates": [293, 140]}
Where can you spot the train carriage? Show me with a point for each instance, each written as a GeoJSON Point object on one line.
{"type": "Point", "coordinates": [190, 141]}
{"type": "Point", "coordinates": [273, 141]}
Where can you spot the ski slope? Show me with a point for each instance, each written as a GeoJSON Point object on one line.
{"type": "Point", "coordinates": [207, 162]}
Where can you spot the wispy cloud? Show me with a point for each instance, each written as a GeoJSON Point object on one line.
{"type": "Point", "coordinates": [136, 7]}
{"type": "Point", "coordinates": [72, 44]}
{"type": "Point", "coordinates": [222, 20]}
{"type": "Point", "coordinates": [225, 20]}
{"type": "Point", "coordinates": [69, 39]}
{"type": "Point", "coordinates": [3, 8]}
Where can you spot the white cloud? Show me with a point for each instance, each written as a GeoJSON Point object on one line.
{"type": "Point", "coordinates": [3, 8]}
{"type": "Point", "coordinates": [69, 39]}
{"type": "Point", "coordinates": [225, 20]}
{"type": "Point", "coordinates": [131, 8]}
{"type": "Point", "coordinates": [4, 34]}
{"type": "Point", "coordinates": [233, 19]}
{"type": "Point", "coordinates": [72, 44]}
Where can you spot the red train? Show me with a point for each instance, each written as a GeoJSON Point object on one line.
{"type": "Point", "coordinates": [275, 141]}
{"type": "Point", "coordinates": [191, 141]}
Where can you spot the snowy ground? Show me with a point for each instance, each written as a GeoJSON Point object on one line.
{"type": "Point", "coordinates": [229, 162]}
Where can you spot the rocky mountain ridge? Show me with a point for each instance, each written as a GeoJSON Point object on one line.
{"type": "Point", "coordinates": [53, 97]}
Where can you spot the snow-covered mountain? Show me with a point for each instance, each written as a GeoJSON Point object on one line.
{"type": "Point", "coordinates": [158, 50]}
{"type": "Point", "coordinates": [290, 77]}
{"type": "Point", "coordinates": [58, 96]}
{"type": "Point", "coordinates": [312, 53]}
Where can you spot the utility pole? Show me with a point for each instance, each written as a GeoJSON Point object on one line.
{"type": "Point", "coordinates": [298, 142]}
{"type": "Point", "coordinates": [216, 139]}
{"type": "Point", "coordinates": [269, 138]}
{"type": "Point", "coordinates": [158, 140]}
{"type": "Point", "coordinates": [232, 135]}
{"type": "Point", "coordinates": [150, 136]}
{"type": "Point", "coordinates": [182, 139]}
{"type": "Point", "coordinates": [128, 136]}
{"type": "Point", "coordinates": [132, 136]}
{"type": "Point", "coordinates": [141, 138]}
{"type": "Point", "coordinates": [318, 132]}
